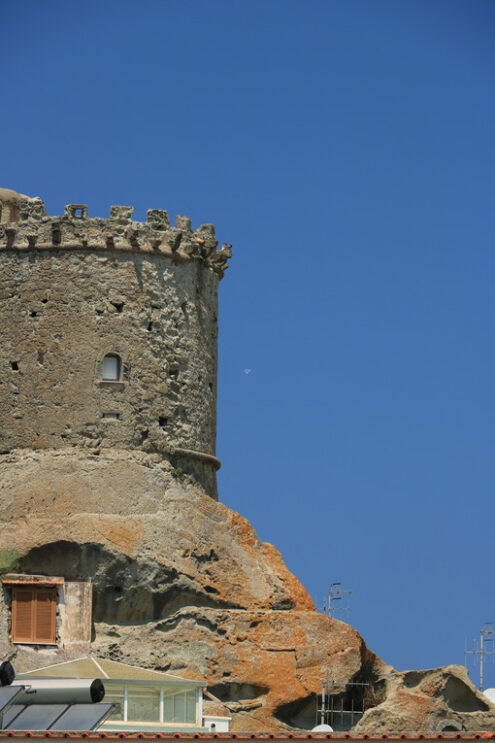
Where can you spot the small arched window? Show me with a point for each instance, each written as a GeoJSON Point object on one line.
{"type": "Point", "coordinates": [111, 368]}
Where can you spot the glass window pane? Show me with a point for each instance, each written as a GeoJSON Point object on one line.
{"type": "Point", "coordinates": [168, 709]}
{"type": "Point", "coordinates": [110, 368]}
{"type": "Point", "coordinates": [143, 704]}
{"type": "Point", "coordinates": [115, 694]}
{"type": "Point", "coordinates": [191, 706]}
{"type": "Point", "coordinates": [179, 707]}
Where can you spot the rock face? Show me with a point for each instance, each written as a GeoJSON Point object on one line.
{"type": "Point", "coordinates": [182, 584]}
{"type": "Point", "coordinates": [439, 699]}
{"type": "Point", "coordinates": [152, 541]}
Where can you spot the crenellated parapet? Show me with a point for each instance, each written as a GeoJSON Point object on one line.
{"type": "Point", "coordinates": [24, 225]}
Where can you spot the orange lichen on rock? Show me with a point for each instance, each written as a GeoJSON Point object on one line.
{"type": "Point", "coordinates": [183, 584]}
{"type": "Point", "coordinates": [117, 532]}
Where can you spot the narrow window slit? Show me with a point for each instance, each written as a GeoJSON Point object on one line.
{"type": "Point", "coordinates": [110, 415]}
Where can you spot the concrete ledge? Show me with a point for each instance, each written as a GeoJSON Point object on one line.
{"type": "Point", "coordinates": [202, 456]}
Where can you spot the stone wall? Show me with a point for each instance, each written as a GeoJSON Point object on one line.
{"type": "Point", "coordinates": [75, 289]}
{"type": "Point", "coordinates": [75, 608]}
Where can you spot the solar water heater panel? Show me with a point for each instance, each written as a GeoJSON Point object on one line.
{"type": "Point", "coordinates": [36, 717]}
{"type": "Point", "coordinates": [10, 713]}
{"type": "Point", "coordinates": [8, 695]}
{"type": "Point", "coordinates": [82, 717]}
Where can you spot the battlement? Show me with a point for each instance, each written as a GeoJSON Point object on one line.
{"type": "Point", "coordinates": [24, 225]}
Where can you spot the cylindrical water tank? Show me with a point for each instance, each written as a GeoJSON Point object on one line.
{"type": "Point", "coordinates": [60, 691]}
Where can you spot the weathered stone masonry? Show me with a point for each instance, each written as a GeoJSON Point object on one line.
{"type": "Point", "coordinates": [76, 289]}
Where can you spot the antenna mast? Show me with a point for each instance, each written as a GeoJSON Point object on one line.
{"type": "Point", "coordinates": [335, 593]}
{"type": "Point", "coordinates": [487, 647]}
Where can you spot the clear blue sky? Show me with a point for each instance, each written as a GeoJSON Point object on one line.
{"type": "Point", "coordinates": [346, 149]}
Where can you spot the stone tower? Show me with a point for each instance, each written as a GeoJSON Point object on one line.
{"type": "Point", "coordinates": [109, 337]}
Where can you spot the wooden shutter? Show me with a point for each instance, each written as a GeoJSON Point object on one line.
{"type": "Point", "coordinates": [44, 617]}
{"type": "Point", "coordinates": [22, 615]}
{"type": "Point", "coordinates": [34, 615]}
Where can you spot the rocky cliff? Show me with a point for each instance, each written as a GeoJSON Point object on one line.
{"type": "Point", "coordinates": [183, 584]}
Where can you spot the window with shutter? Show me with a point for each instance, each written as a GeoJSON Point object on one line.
{"type": "Point", "coordinates": [34, 615]}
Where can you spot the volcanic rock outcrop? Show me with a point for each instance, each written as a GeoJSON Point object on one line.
{"type": "Point", "coordinates": [183, 584]}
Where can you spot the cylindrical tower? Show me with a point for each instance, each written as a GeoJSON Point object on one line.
{"type": "Point", "coordinates": [109, 335]}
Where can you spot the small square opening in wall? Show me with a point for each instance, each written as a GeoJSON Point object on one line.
{"type": "Point", "coordinates": [110, 415]}
{"type": "Point", "coordinates": [76, 211]}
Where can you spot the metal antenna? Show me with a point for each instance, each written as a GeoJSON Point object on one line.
{"type": "Point", "coordinates": [335, 593]}
{"type": "Point", "coordinates": [487, 647]}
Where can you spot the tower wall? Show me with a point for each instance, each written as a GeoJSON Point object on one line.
{"type": "Point", "coordinates": [74, 290]}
